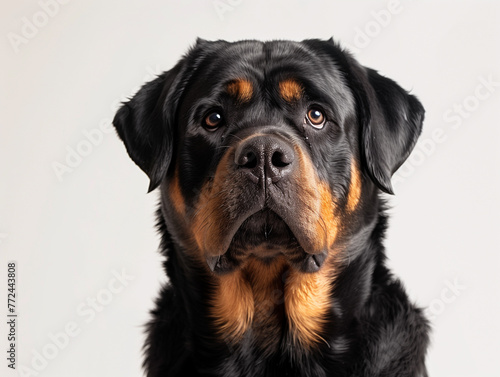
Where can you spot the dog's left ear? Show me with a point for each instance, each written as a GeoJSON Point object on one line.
{"type": "Point", "coordinates": [391, 127]}
{"type": "Point", "coordinates": [390, 118]}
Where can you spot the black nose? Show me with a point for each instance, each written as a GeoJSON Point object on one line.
{"type": "Point", "coordinates": [269, 156]}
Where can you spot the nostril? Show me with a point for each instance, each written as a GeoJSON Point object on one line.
{"type": "Point", "coordinates": [248, 160]}
{"type": "Point", "coordinates": [263, 157]}
{"type": "Point", "coordinates": [279, 159]}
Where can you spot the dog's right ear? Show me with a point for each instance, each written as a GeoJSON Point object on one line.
{"type": "Point", "coordinates": [146, 123]}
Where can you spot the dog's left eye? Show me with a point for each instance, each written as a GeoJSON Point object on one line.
{"type": "Point", "coordinates": [213, 120]}
{"type": "Point", "coordinates": [315, 118]}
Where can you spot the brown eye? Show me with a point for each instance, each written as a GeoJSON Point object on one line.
{"type": "Point", "coordinates": [213, 120]}
{"type": "Point", "coordinates": [315, 118]}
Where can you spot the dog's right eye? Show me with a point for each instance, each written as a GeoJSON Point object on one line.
{"type": "Point", "coordinates": [213, 120]}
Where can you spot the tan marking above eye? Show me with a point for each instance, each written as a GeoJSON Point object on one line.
{"type": "Point", "coordinates": [290, 90]}
{"type": "Point", "coordinates": [241, 89]}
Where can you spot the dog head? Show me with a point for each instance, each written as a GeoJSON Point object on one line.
{"type": "Point", "coordinates": [267, 150]}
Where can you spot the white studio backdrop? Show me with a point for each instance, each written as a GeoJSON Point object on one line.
{"type": "Point", "coordinates": [75, 216]}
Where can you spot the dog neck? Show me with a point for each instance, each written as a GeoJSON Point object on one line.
{"type": "Point", "coordinates": [262, 297]}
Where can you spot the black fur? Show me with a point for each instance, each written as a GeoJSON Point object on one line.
{"type": "Point", "coordinates": [371, 329]}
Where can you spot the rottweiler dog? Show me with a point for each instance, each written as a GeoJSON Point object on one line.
{"type": "Point", "coordinates": [271, 159]}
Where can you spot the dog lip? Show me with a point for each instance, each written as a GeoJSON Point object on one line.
{"type": "Point", "coordinates": [219, 260]}
{"type": "Point", "coordinates": [289, 218]}
{"type": "Point", "coordinates": [268, 227]}
{"type": "Point", "coordinates": [232, 229]}
{"type": "Point", "coordinates": [265, 226]}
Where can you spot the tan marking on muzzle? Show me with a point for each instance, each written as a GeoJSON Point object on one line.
{"type": "Point", "coordinates": [354, 188]}
{"type": "Point", "coordinates": [316, 206]}
{"type": "Point", "coordinates": [290, 90]}
{"type": "Point", "coordinates": [329, 222]}
{"type": "Point", "coordinates": [210, 215]}
{"type": "Point", "coordinates": [176, 195]}
{"type": "Point", "coordinates": [241, 89]}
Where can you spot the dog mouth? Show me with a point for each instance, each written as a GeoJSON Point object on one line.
{"type": "Point", "coordinates": [264, 235]}
{"type": "Point", "coordinates": [265, 232]}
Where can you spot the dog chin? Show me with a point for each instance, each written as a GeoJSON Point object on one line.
{"type": "Point", "coordinates": [265, 236]}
